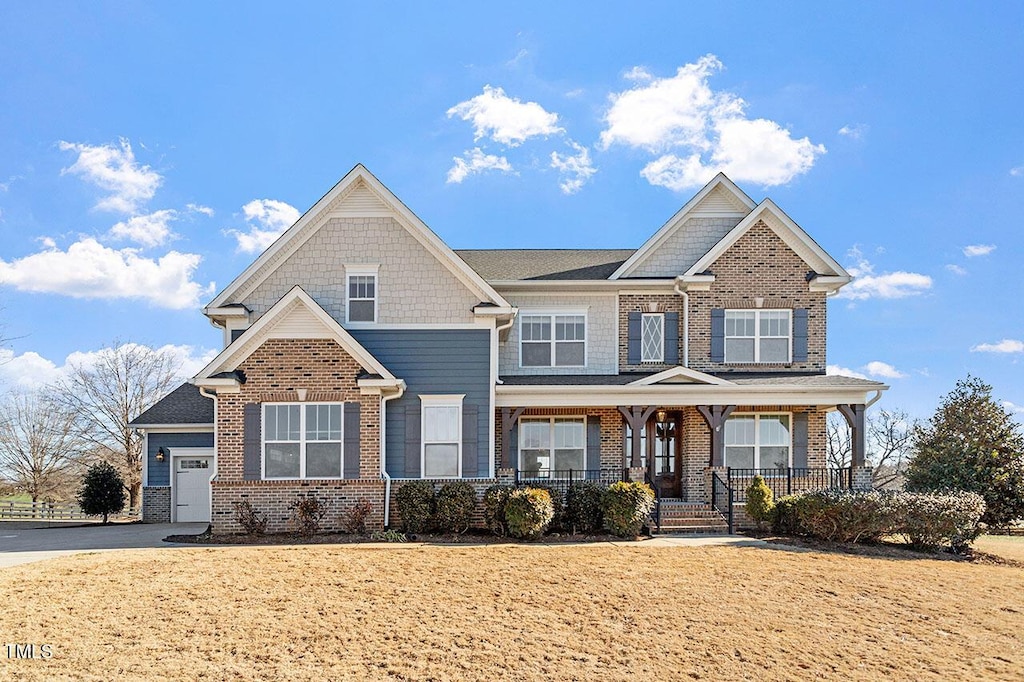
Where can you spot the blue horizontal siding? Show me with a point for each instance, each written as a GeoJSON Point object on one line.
{"type": "Point", "coordinates": [159, 473]}
{"type": "Point", "coordinates": [432, 361]}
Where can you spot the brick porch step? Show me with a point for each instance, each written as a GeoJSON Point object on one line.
{"type": "Point", "coordinates": [683, 517]}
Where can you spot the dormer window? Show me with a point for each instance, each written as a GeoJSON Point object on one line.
{"type": "Point", "coordinates": [362, 295]}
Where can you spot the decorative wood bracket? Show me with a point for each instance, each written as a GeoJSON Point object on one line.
{"type": "Point", "coordinates": [509, 418]}
{"type": "Point", "coordinates": [636, 416]}
{"type": "Point", "coordinates": [715, 416]}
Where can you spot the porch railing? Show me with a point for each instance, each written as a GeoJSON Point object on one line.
{"type": "Point", "coordinates": [656, 514]}
{"type": "Point", "coordinates": [788, 481]}
{"type": "Point", "coordinates": [560, 479]}
{"type": "Point", "coordinates": [722, 496]}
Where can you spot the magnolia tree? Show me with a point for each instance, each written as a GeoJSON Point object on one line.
{"type": "Point", "coordinates": [887, 440]}
{"type": "Point", "coordinates": [972, 443]}
{"type": "Point", "coordinates": [119, 383]}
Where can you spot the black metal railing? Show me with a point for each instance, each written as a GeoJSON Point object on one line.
{"type": "Point", "coordinates": [722, 496]}
{"type": "Point", "coordinates": [560, 480]}
{"type": "Point", "coordinates": [656, 514]}
{"type": "Point", "coordinates": [786, 481]}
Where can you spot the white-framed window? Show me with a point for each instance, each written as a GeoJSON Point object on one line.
{"type": "Point", "coordinates": [758, 441]}
{"type": "Point", "coordinates": [652, 337]}
{"type": "Point", "coordinates": [302, 440]}
{"type": "Point", "coordinates": [361, 294]}
{"type": "Point", "coordinates": [553, 339]}
{"type": "Point", "coordinates": [756, 336]}
{"type": "Point", "coordinates": [552, 446]}
{"type": "Point", "coordinates": [441, 437]}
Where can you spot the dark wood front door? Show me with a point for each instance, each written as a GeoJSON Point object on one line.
{"type": "Point", "coordinates": [663, 456]}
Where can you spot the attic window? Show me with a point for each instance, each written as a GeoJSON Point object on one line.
{"type": "Point", "coordinates": [362, 295]}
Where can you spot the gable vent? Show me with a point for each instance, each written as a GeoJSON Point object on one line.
{"type": "Point", "coordinates": [360, 201]}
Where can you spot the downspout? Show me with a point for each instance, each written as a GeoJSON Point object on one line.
{"type": "Point", "coordinates": [686, 321]}
{"type": "Point", "coordinates": [878, 395]}
{"type": "Point", "coordinates": [383, 464]}
{"type": "Point", "coordinates": [499, 329]}
{"type": "Point", "coordinates": [216, 463]}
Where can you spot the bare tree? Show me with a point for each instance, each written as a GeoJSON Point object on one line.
{"type": "Point", "coordinates": [40, 448]}
{"type": "Point", "coordinates": [887, 442]}
{"type": "Point", "coordinates": [124, 381]}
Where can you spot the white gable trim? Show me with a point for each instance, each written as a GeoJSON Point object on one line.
{"type": "Point", "coordinates": [673, 374]}
{"type": "Point", "coordinates": [673, 224]}
{"type": "Point", "coordinates": [791, 233]}
{"type": "Point", "coordinates": [297, 234]}
{"type": "Point", "coordinates": [268, 327]}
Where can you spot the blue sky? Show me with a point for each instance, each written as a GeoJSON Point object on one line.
{"type": "Point", "coordinates": [145, 150]}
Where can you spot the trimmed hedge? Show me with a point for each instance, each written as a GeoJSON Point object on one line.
{"type": "Point", "coordinates": [627, 507]}
{"type": "Point", "coordinates": [416, 504]}
{"type": "Point", "coordinates": [455, 504]}
{"type": "Point", "coordinates": [495, 500]}
{"type": "Point", "coordinates": [760, 502]}
{"type": "Point", "coordinates": [558, 521]}
{"type": "Point", "coordinates": [927, 520]}
{"type": "Point", "coordinates": [583, 508]}
{"type": "Point", "coordinates": [528, 512]}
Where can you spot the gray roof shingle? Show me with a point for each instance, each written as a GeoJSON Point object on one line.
{"type": "Point", "coordinates": [183, 405]}
{"type": "Point", "coordinates": [516, 264]}
{"type": "Point", "coordinates": [813, 380]}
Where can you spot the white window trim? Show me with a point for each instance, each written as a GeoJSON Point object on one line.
{"type": "Point", "coordinates": [660, 358]}
{"type": "Point", "coordinates": [757, 337]}
{"type": "Point", "coordinates": [439, 401]}
{"type": "Point", "coordinates": [553, 313]}
{"type": "Point", "coordinates": [363, 271]}
{"type": "Point", "coordinates": [302, 443]}
{"type": "Point", "coordinates": [757, 435]}
{"type": "Point", "coordinates": [551, 425]}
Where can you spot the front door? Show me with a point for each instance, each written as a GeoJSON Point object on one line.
{"type": "Point", "coordinates": [664, 453]}
{"type": "Point", "coordinates": [192, 488]}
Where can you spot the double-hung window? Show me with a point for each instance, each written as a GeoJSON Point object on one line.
{"type": "Point", "coordinates": [553, 340]}
{"type": "Point", "coordinates": [302, 440]}
{"type": "Point", "coordinates": [652, 337]}
{"type": "Point", "coordinates": [362, 294]}
{"type": "Point", "coordinates": [758, 335]}
{"type": "Point", "coordinates": [758, 441]}
{"type": "Point", "coordinates": [441, 440]}
{"type": "Point", "coordinates": [552, 446]}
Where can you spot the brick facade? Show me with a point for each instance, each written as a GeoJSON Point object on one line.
{"type": "Point", "coordinates": [646, 303]}
{"type": "Point", "coordinates": [156, 504]}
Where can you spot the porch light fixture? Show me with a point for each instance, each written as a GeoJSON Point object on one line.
{"type": "Point", "coordinates": [160, 454]}
{"type": "Point", "coordinates": [662, 415]}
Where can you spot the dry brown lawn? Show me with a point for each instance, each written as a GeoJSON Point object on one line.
{"type": "Point", "coordinates": [1006, 546]}
{"type": "Point", "coordinates": [598, 612]}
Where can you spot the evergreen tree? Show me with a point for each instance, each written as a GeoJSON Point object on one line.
{"type": "Point", "coordinates": [972, 443]}
{"type": "Point", "coordinates": [102, 491]}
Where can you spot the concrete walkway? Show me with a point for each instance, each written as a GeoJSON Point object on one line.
{"type": "Point", "coordinates": [21, 545]}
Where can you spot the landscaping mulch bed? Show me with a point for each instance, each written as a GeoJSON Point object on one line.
{"type": "Point", "coordinates": [469, 538]}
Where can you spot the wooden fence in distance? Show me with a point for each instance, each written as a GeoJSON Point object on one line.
{"type": "Point", "coordinates": [51, 511]}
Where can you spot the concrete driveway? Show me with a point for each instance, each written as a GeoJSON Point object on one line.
{"type": "Point", "coordinates": [22, 543]}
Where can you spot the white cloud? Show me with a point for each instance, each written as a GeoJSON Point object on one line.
{"type": "Point", "coordinates": [877, 368]}
{"type": "Point", "coordinates": [1014, 408]}
{"type": "Point", "coordinates": [198, 208]}
{"type": "Point", "coordinates": [1004, 346]}
{"type": "Point", "coordinates": [114, 170]}
{"type": "Point", "coordinates": [504, 119]}
{"type": "Point", "coordinates": [866, 284]}
{"type": "Point", "coordinates": [474, 161]}
{"type": "Point", "coordinates": [1017, 171]}
{"type": "Point", "coordinates": [638, 73]}
{"type": "Point", "coordinates": [972, 250]}
{"type": "Point", "coordinates": [152, 229]}
{"type": "Point", "coordinates": [31, 370]}
{"type": "Point", "coordinates": [854, 132]}
{"type": "Point", "coordinates": [268, 219]}
{"type": "Point", "coordinates": [90, 270]}
{"type": "Point", "coordinates": [699, 132]}
{"type": "Point", "coordinates": [575, 170]}
{"type": "Point", "coordinates": [956, 269]}
{"type": "Point", "coordinates": [836, 370]}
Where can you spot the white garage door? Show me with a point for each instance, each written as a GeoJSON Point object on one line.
{"type": "Point", "coordinates": [192, 488]}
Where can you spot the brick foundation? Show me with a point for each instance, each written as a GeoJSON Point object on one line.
{"type": "Point", "coordinates": [156, 504]}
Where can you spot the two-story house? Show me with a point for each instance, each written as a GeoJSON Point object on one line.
{"type": "Point", "coordinates": [360, 351]}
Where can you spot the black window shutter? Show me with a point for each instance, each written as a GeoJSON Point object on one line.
{"type": "Point", "coordinates": [513, 445]}
{"type": "Point", "coordinates": [718, 335]}
{"type": "Point", "coordinates": [800, 440]}
{"type": "Point", "coordinates": [671, 338]}
{"type": "Point", "coordinates": [412, 442]}
{"type": "Point", "coordinates": [351, 428]}
{"type": "Point", "coordinates": [252, 441]}
{"type": "Point", "coordinates": [633, 338]}
{"type": "Point", "coordinates": [470, 444]}
{"type": "Point", "coordinates": [800, 335]}
{"type": "Point", "coordinates": [593, 443]}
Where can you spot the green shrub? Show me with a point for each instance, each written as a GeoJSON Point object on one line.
{"type": "Point", "coordinates": [626, 507]}
{"type": "Point", "coordinates": [931, 521]}
{"type": "Point", "coordinates": [416, 504]}
{"type": "Point", "coordinates": [102, 491]}
{"type": "Point", "coordinates": [583, 507]}
{"type": "Point", "coordinates": [528, 512]}
{"type": "Point", "coordinates": [455, 505]}
{"type": "Point", "coordinates": [389, 535]}
{"type": "Point", "coordinates": [785, 515]}
{"type": "Point", "coordinates": [495, 499]}
{"type": "Point", "coordinates": [557, 506]}
{"type": "Point", "coordinates": [760, 502]}
{"type": "Point", "coordinates": [307, 512]}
